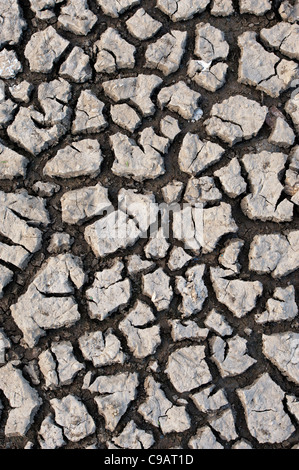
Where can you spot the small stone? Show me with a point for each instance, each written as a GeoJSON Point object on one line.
{"type": "Point", "coordinates": [125, 116]}
{"type": "Point", "coordinates": [178, 258]}
{"type": "Point", "coordinates": [82, 204]}
{"type": "Point", "coordinates": [167, 52]}
{"type": "Point", "coordinates": [160, 412]}
{"type": "Point", "coordinates": [196, 155]}
{"type": "Point", "coordinates": [172, 191]}
{"type": "Point", "coordinates": [235, 119]}
{"type": "Point", "coordinates": [89, 116]}
{"type": "Point", "coordinates": [264, 411]}
{"type": "Point", "coordinates": [187, 369]}
{"type": "Point", "coordinates": [113, 53]}
{"type": "Point", "coordinates": [210, 43]}
{"type": "Point", "coordinates": [237, 295]}
{"type": "Point", "coordinates": [22, 91]}
{"type": "Point", "coordinates": [77, 67]}
{"type": "Point", "coordinates": [10, 66]}
{"type": "Point", "coordinates": [72, 415]}
{"type": "Point", "coordinates": [231, 179]}
{"type": "Point", "coordinates": [102, 349]}
{"type": "Point", "coordinates": [282, 306]}
{"type": "Point", "coordinates": [60, 242]}
{"type": "Point", "coordinates": [108, 292]}
{"type": "Point", "coordinates": [156, 285]}
{"type": "Point", "coordinates": [44, 49]}
{"type": "Point", "coordinates": [80, 158]}
{"type": "Point", "coordinates": [142, 341]}
{"type": "Point", "coordinates": [180, 99]}
{"type": "Point", "coordinates": [231, 355]}
{"type": "Point", "coordinates": [76, 17]}
{"type": "Point", "coordinates": [142, 26]}
{"type": "Point", "coordinates": [217, 322]}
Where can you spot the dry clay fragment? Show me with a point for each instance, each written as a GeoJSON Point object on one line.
{"type": "Point", "coordinates": [12, 23]}
{"type": "Point", "coordinates": [125, 116]}
{"type": "Point", "coordinates": [10, 66]}
{"type": "Point", "coordinates": [141, 340]}
{"type": "Point", "coordinates": [187, 368]}
{"type": "Point", "coordinates": [264, 411]}
{"type": "Point", "coordinates": [113, 393]}
{"type": "Point", "coordinates": [12, 164]}
{"type": "Point", "coordinates": [76, 17]}
{"type": "Point", "coordinates": [77, 67]}
{"type": "Point", "coordinates": [21, 91]}
{"type": "Point", "coordinates": [82, 158]}
{"type": "Point", "coordinates": [72, 415]}
{"type": "Point", "coordinates": [225, 425]}
{"type": "Point", "coordinates": [43, 9]}
{"type": "Point", "coordinates": [264, 170]}
{"type": "Point", "coordinates": [282, 306]}
{"type": "Point", "coordinates": [133, 162]}
{"type": "Point", "coordinates": [101, 349]}
{"type": "Point", "coordinates": [222, 8]}
{"type": "Point", "coordinates": [6, 276]}
{"type": "Point", "coordinates": [231, 355]}
{"type": "Point", "coordinates": [193, 290]}
{"type": "Point", "coordinates": [187, 329]}
{"type": "Point", "coordinates": [108, 292]}
{"type": "Point", "coordinates": [275, 253]}
{"type": "Point", "coordinates": [204, 439]}
{"type": "Point", "coordinates": [23, 400]}
{"type": "Point", "coordinates": [50, 436]}
{"type": "Point", "coordinates": [235, 119]}
{"type": "Point", "coordinates": [114, 52]}
{"type": "Point", "coordinates": [264, 69]}
{"type": "Point", "coordinates": [47, 303]}
{"type": "Point", "coordinates": [160, 412]}
{"type": "Point", "coordinates": [231, 179]}
{"type": "Point", "coordinates": [89, 114]}
{"type": "Point", "coordinates": [142, 26]}
{"type": "Point", "coordinates": [179, 10]}
{"type": "Point", "coordinates": [133, 438]}
{"type": "Point", "coordinates": [180, 99]}
{"type": "Point", "coordinates": [167, 52]}
{"type": "Point", "coordinates": [196, 155]}
{"type": "Point", "coordinates": [282, 349]}
{"type": "Point", "coordinates": [237, 295]}
{"type": "Point", "coordinates": [202, 191]}
{"type": "Point", "coordinates": [54, 97]}
{"type": "Point", "coordinates": [282, 36]}
{"type": "Point", "coordinates": [209, 77]}
{"type": "Point", "coordinates": [44, 49]}
{"type": "Point", "coordinates": [115, 8]}
{"type": "Point", "coordinates": [112, 232]}
{"type": "Point", "coordinates": [82, 204]}
{"type": "Point", "coordinates": [4, 344]}
{"type": "Point", "coordinates": [255, 7]}
{"type": "Point", "coordinates": [210, 43]}
{"type": "Point", "coordinates": [156, 285]}
{"type": "Point", "coordinates": [137, 90]}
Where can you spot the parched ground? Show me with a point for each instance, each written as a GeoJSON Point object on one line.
{"type": "Point", "coordinates": [184, 339]}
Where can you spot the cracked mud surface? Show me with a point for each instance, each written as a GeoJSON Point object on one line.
{"type": "Point", "coordinates": [173, 341]}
